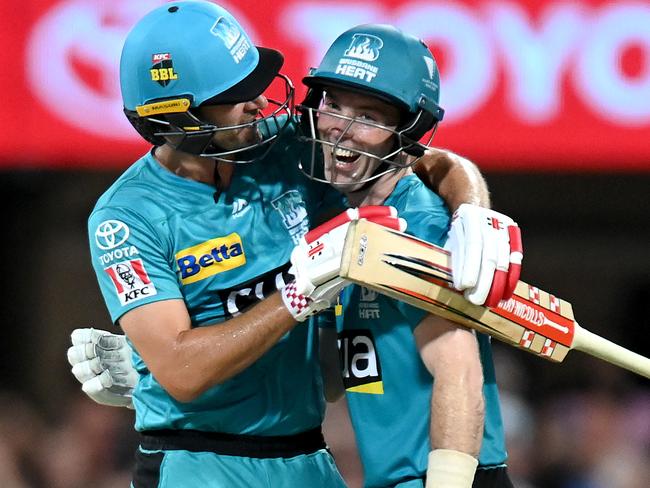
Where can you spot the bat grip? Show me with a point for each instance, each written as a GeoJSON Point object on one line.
{"type": "Point", "coordinates": [606, 350]}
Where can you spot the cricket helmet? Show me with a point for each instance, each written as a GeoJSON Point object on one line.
{"type": "Point", "coordinates": [382, 61]}
{"type": "Point", "coordinates": [187, 54]}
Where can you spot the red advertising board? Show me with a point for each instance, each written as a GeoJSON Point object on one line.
{"type": "Point", "coordinates": [536, 85]}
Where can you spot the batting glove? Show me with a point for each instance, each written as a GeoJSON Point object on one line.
{"type": "Point", "coordinates": [486, 254]}
{"type": "Point", "coordinates": [101, 362]}
{"type": "Point", "coordinates": [316, 260]}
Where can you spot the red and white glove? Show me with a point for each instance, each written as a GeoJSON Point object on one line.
{"type": "Point", "coordinates": [316, 260]}
{"type": "Point", "coordinates": [486, 254]}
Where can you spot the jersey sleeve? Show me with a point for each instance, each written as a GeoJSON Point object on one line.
{"type": "Point", "coordinates": [131, 261]}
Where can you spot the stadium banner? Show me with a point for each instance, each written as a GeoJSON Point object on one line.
{"type": "Point", "coordinates": [527, 85]}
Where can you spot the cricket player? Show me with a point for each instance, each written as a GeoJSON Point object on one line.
{"type": "Point", "coordinates": [421, 391]}
{"type": "Point", "coordinates": [189, 248]}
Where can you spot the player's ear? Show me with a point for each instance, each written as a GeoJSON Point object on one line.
{"type": "Point", "coordinates": [422, 123]}
{"type": "Point", "coordinates": [311, 101]}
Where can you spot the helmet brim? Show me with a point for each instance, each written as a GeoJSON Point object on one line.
{"type": "Point", "coordinates": [255, 83]}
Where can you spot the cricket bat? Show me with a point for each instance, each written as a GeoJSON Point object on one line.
{"type": "Point", "coordinates": [419, 273]}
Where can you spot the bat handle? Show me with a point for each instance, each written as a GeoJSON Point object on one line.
{"type": "Point", "coordinates": [600, 347]}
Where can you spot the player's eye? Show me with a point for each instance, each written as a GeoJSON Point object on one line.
{"type": "Point", "coordinates": [331, 105]}
{"type": "Point", "coordinates": [367, 116]}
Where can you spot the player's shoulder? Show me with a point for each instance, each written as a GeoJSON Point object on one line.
{"type": "Point", "coordinates": [132, 194]}
{"type": "Point", "coordinates": [425, 212]}
{"type": "Point", "coordinates": [411, 195]}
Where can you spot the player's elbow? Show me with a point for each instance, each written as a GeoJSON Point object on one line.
{"type": "Point", "coordinates": [181, 391]}
{"type": "Point", "coordinates": [182, 384]}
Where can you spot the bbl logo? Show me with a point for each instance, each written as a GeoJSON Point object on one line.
{"type": "Point", "coordinates": [162, 69]}
{"type": "Point", "coordinates": [365, 47]}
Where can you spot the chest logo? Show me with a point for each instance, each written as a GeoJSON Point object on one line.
{"type": "Point", "coordinates": [210, 258]}
{"type": "Point", "coordinates": [360, 366]}
{"type": "Point", "coordinates": [291, 208]}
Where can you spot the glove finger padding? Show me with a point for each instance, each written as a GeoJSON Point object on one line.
{"type": "Point", "coordinates": [87, 370]}
{"type": "Point", "coordinates": [488, 264]}
{"type": "Point", "coordinates": [88, 335]}
{"type": "Point", "coordinates": [486, 254]}
{"type": "Point", "coordinates": [81, 352]}
{"type": "Point", "coordinates": [516, 258]}
{"type": "Point", "coordinates": [101, 362]}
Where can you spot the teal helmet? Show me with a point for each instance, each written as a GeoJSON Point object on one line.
{"type": "Point", "coordinates": [187, 54]}
{"type": "Point", "coordinates": [381, 61]}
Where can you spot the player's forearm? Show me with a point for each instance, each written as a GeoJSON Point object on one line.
{"type": "Point", "coordinates": [456, 179]}
{"type": "Point", "coordinates": [457, 413]}
{"type": "Point", "coordinates": [206, 356]}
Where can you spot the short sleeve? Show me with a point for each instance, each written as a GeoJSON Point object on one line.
{"type": "Point", "coordinates": [131, 261]}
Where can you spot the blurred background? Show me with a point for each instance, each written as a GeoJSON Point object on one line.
{"type": "Point", "coordinates": [552, 101]}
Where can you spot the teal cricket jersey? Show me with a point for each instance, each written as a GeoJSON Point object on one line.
{"type": "Point", "coordinates": [157, 236]}
{"type": "Point", "coordinates": [388, 387]}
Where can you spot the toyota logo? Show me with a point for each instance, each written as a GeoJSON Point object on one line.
{"type": "Point", "coordinates": [110, 234]}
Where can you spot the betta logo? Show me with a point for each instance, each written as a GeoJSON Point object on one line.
{"type": "Point", "coordinates": [365, 47]}
{"type": "Point", "coordinates": [162, 69]}
{"type": "Point", "coordinates": [210, 258]}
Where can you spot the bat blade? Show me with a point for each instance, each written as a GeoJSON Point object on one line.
{"type": "Point", "coordinates": [419, 273]}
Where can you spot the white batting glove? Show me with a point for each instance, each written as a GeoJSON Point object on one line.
{"type": "Point", "coordinates": [101, 362]}
{"type": "Point", "coordinates": [316, 260]}
{"type": "Point", "coordinates": [486, 254]}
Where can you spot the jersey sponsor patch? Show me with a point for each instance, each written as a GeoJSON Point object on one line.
{"type": "Point", "coordinates": [239, 299]}
{"type": "Point", "coordinates": [110, 234]}
{"type": "Point", "coordinates": [291, 207]}
{"type": "Point", "coordinates": [162, 69]}
{"type": "Point", "coordinates": [360, 366]}
{"type": "Point", "coordinates": [131, 281]}
{"type": "Point", "coordinates": [210, 258]}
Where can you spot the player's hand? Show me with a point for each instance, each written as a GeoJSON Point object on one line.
{"type": "Point", "coordinates": [316, 260]}
{"type": "Point", "coordinates": [486, 254]}
{"type": "Point", "coordinates": [101, 361]}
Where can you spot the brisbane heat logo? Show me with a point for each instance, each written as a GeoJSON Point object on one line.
{"type": "Point", "coordinates": [365, 47]}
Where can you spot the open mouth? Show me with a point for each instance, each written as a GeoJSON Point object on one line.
{"type": "Point", "coordinates": [345, 156]}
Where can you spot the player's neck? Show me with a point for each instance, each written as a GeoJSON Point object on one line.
{"type": "Point", "coordinates": [193, 167]}
{"type": "Point", "coordinates": [379, 191]}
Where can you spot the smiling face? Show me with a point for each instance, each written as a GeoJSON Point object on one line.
{"type": "Point", "coordinates": [350, 122]}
